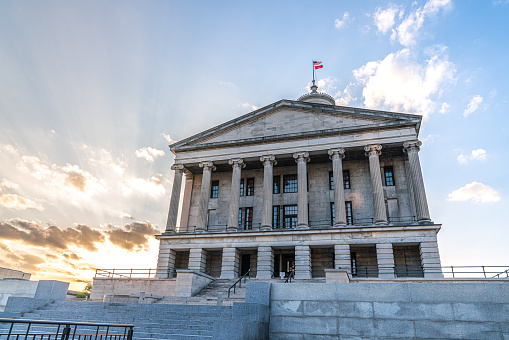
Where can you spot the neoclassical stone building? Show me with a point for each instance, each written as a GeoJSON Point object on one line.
{"type": "Point", "coordinates": [301, 186]}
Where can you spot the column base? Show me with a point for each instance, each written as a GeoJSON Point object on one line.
{"type": "Point", "coordinates": [380, 222]}
{"type": "Point", "coordinates": [424, 221]}
{"type": "Point", "coordinates": [200, 229]}
{"type": "Point", "coordinates": [232, 229]}
{"type": "Point", "coordinates": [303, 226]}
{"type": "Point", "coordinates": [339, 225]}
{"type": "Point", "coordinates": [266, 227]}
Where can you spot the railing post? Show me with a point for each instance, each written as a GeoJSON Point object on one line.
{"type": "Point", "coordinates": [484, 272]}
{"type": "Point", "coordinates": [130, 334]}
{"type": "Point", "coordinates": [66, 332]}
{"type": "Point", "coordinates": [452, 271]}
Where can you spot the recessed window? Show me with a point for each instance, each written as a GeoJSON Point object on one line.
{"type": "Point", "coordinates": [276, 216]}
{"type": "Point", "coordinates": [332, 214]}
{"type": "Point", "coordinates": [276, 186]}
{"type": "Point", "coordinates": [215, 189]}
{"type": "Point", "coordinates": [240, 217]}
{"type": "Point", "coordinates": [389, 176]}
{"type": "Point", "coordinates": [250, 187]}
{"type": "Point", "coordinates": [346, 179]}
{"type": "Point", "coordinates": [242, 187]}
{"type": "Point", "coordinates": [289, 183]}
{"type": "Point", "coordinates": [248, 221]}
{"type": "Point", "coordinates": [290, 216]}
{"type": "Point", "coordinates": [349, 213]}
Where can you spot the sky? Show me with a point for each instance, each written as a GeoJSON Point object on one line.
{"type": "Point", "coordinates": [93, 92]}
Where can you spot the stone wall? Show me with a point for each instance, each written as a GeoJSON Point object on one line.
{"type": "Point", "coordinates": [44, 289]}
{"type": "Point", "coordinates": [118, 286]}
{"type": "Point", "coordinates": [361, 311]}
{"type": "Point", "coordinates": [7, 273]}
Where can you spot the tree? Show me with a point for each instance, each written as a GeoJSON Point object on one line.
{"type": "Point", "coordinates": [86, 291]}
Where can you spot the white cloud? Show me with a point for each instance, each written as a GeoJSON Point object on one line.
{"type": "Point", "coordinates": [345, 97]}
{"type": "Point", "coordinates": [249, 106]}
{"type": "Point", "coordinates": [102, 158]}
{"type": "Point", "coordinates": [475, 155]}
{"type": "Point", "coordinates": [16, 202]}
{"type": "Point", "coordinates": [149, 153]}
{"type": "Point", "coordinates": [445, 108]}
{"type": "Point", "coordinates": [401, 83]}
{"type": "Point", "coordinates": [407, 32]}
{"type": "Point", "coordinates": [168, 138]}
{"type": "Point", "coordinates": [342, 23]}
{"type": "Point", "coordinates": [384, 18]}
{"type": "Point", "coordinates": [476, 192]}
{"type": "Point", "coordinates": [327, 85]}
{"type": "Point", "coordinates": [473, 105]}
{"type": "Point", "coordinates": [152, 187]}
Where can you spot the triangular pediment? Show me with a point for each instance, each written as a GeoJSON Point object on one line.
{"type": "Point", "coordinates": [291, 119]}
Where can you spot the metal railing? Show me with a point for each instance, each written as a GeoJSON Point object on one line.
{"type": "Point", "coordinates": [125, 273]}
{"type": "Point", "coordinates": [454, 272]}
{"type": "Point", "coordinates": [19, 329]}
{"type": "Point", "coordinates": [239, 281]}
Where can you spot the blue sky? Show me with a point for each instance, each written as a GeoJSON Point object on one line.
{"type": "Point", "coordinates": [92, 92]}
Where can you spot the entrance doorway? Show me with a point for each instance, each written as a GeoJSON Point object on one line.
{"type": "Point", "coordinates": [245, 263]}
{"type": "Point", "coordinates": [284, 262]}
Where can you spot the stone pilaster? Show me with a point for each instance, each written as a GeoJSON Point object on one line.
{"type": "Point", "coordinates": [208, 167]}
{"type": "Point", "coordinates": [342, 258]}
{"type": "Point", "coordinates": [171, 223]}
{"type": "Point", "coordinates": [268, 163]}
{"type": "Point", "coordinates": [197, 259]}
{"type": "Point", "coordinates": [233, 216]}
{"type": "Point", "coordinates": [302, 262]}
{"type": "Point", "coordinates": [186, 202]}
{"type": "Point", "coordinates": [421, 203]}
{"type": "Point", "coordinates": [385, 259]}
{"type": "Point", "coordinates": [165, 261]}
{"type": "Point", "coordinates": [230, 264]}
{"type": "Point", "coordinates": [265, 265]}
{"type": "Point", "coordinates": [336, 155]}
{"type": "Point", "coordinates": [302, 187]}
{"type": "Point", "coordinates": [430, 259]}
{"type": "Point", "coordinates": [373, 151]}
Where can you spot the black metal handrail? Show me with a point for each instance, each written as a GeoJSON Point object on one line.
{"type": "Point", "coordinates": [239, 281]}
{"type": "Point", "coordinates": [125, 273]}
{"type": "Point", "coordinates": [290, 276]}
{"type": "Point", "coordinates": [454, 272]}
{"type": "Point", "coordinates": [63, 330]}
{"type": "Point", "coordinates": [506, 272]}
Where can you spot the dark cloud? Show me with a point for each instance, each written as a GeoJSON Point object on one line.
{"type": "Point", "coordinates": [25, 262]}
{"type": "Point", "coordinates": [77, 180]}
{"type": "Point", "coordinates": [52, 236]}
{"type": "Point", "coordinates": [72, 256]}
{"type": "Point", "coordinates": [51, 256]}
{"type": "Point", "coordinates": [133, 236]}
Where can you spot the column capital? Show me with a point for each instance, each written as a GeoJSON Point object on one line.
{"type": "Point", "coordinates": [412, 146]}
{"type": "Point", "coordinates": [336, 153]}
{"type": "Point", "coordinates": [373, 150]}
{"type": "Point", "coordinates": [207, 166]}
{"type": "Point", "coordinates": [237, 163]}
{"type": "Point", "coordinates": [178, 168]}
{"type": "Point", "coordinates": [301, 157]}
{"type": "Point", "coordinates": [268, 160]}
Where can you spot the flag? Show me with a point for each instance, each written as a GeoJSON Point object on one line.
{"type": "Point", "coordinates": [317, 64]}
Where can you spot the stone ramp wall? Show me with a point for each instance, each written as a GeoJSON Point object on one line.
{"type": "Point", "coordinates": [387, 310]}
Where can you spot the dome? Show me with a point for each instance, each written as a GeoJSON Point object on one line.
{"type": "Point", "coordinates": [317, 97]}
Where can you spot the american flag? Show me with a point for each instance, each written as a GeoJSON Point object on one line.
{"type": "Point", "coordinates": [317, 64]}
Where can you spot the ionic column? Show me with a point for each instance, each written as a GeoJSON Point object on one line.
{"type": "Point", "coordinates": [233, 216]}
{"type": "Point", "coordinates": [421, 203]}
{"type": "Point", "coordinates": [302, 262]}
{"type": "Point", "coordinates": [197, 259]}
{"type": "Point", "coordinates": [336, 155]}
{"type": "Point", "coordinates": [208, 167]}
{"type": "Point", "coordinates": [265, 265]}
{"type": "Point", "coordinates": [186, 202]}
{"type": "Point", "coordinates": [342, 258]}
{"type": "Point", "coordinates": [230, 263]}
{"type": "Point", "coordinates": [171, 223]}
{"type": "Point", "coordinates": [385, 260]}
{"type": "Point", "coordinates": [302, 189]}
{"type": "Point", "coordinates": [268, 163]}
{"type": "Point", "coordinates": [373, 151]}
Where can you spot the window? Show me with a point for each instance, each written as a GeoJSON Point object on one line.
{"type": "Point", "coordinates": [353, 259]}
{"type": "Point", "coordinates": [276, 216]}
{"type": "Point", "coordinates": [240, 217]}
{"type": "Point", "coordinates": [242, 187]}
{"type": "Point", "coordinates": [349, 214]}
{"type": "Point", "coordinates": [248, 221]}
{"type": "Point", "coordinates": [290, 183]}
{"type": "Point", "coordinates": [276, 186]}
{"type": "Point", "coordinates": [346, 179]}
{"type": "Point", "coordinates": [215, 189]}
{"type": "Point", "coordinates": [249, 186]}
{"type": "Point", "coordinates": [290, 216]}
{"type": "Point", "coordinates": [389, 176]}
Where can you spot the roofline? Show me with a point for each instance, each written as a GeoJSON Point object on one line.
{"type": "Point", "coordinates": [410, 118]}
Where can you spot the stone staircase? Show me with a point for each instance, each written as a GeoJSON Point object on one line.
{"type": "Point", "coordinates": [151, 321]}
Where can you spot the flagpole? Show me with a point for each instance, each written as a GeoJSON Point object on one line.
{"type": "Point", "coordinates": [313, 72]}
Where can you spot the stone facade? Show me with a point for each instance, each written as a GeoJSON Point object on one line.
{"type": "Point", "coordinates": [299, 187]}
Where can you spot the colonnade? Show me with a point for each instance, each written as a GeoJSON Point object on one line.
{"type": "Point", "coordinates": [336, 155]}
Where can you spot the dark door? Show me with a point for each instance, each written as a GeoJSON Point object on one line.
{"type": "Point", "coordinates": [245, 263]}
